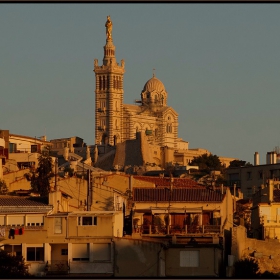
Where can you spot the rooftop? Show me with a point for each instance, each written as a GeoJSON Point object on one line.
{"type": "Point", "coordinates": [23, 204]}
{"type": "Point", "coordinates": [176, 195]}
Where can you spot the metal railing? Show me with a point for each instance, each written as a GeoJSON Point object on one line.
{"type": "Point", "coordinates": [57, 267]}
{"type": "Point", "coordinates": [176, 229]}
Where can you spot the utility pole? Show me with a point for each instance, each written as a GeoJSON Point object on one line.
{"type": "Point", "coordinates": [55, 175]}
{"type": "Point", "coordinates": [89, 191]}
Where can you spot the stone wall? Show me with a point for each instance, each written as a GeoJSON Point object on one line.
{"type": "Point", "coordinates": [266, 252]}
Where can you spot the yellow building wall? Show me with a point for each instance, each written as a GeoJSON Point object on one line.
{"type": "Point", "coordinates": [76, 188]}
{"type": "Point", "coordinates": [16, 180]}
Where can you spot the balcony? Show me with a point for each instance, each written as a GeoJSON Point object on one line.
{"type": "Point", "coordinates": [178, 230]}
{"type": "Point", "coordinates": [270, 220]}
{"type": "Point", "coordinates": [56, 267]}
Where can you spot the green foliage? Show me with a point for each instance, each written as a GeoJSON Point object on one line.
{"type": "Point", "coordinates": [3, 187]}
{"type": "Point", "coordinates": [40, 178]}
{"type": "Point", "coordinates": [246, 268]}
{"type": "Point", "coordinates": [207, 163]}
{"type": "Point", "coordinates": [12, 266]}
{"type": "Point", "coordinates": [239, 163]}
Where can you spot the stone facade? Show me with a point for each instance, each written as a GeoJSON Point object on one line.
{"type": "Point", "coordinates": [116, 122]}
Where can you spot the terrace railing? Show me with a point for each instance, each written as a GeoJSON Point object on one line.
{"type": "Point", "coordinates": [176, 229]}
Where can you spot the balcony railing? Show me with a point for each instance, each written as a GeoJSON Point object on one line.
{"type": "Point", "coordinates": [57, 267]}
{"type": "Point", "coordinates": [270, 219]}
{"type": "Point", "coordinates": [175, 229]}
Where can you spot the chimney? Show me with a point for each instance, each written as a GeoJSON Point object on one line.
{"type": "Point", "coordinates": [256, 158]}
{"type": "Point", "coordinates": [274, 157]}
{"type": "Point", "coordinates": [66, 153]}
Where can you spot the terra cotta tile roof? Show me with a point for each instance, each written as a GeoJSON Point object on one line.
{"type": "Point", "coordinates": [177, 194]}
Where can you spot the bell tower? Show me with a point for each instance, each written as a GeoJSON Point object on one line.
{"type": "Point", "coordinates": [109, 94]}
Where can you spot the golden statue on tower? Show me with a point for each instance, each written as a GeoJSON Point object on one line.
{"type": "Point", "coordinates": [109, 27]}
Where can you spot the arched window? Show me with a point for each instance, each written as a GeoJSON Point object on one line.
{"type": "Point", "coordinates": [108, 82]}
{"type": "Point", "coordinates": [169, 128]}
{"type": "Point", "coordinates": [100, 82]}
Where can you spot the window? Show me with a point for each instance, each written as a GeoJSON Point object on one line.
{"type": "Point", "coordinates": [64, 252]}
{"type": "Point", "coordinates": [169, 128]}
{"type": "Point", "coordinates": [103, 122]}
{"type": "Point", "coordinates": [249, 174]}
{"type": "Point", "coordinates": [35, 253]}
{"type": "Point", "coordinates": [57, 225]}
{"type": "Point", "coordinates": [34, 220]}
{"type": "Point", "coordinates": [13, 250]}
{"type": "Point", "coordinates": [87, 221]}
{"type": "Point", "coordinates": [80, 252]}
{"type": "Point", "coordinates": [15, 220]}
{"type": "Point", "coordinates": [12, 147]}
{"type": "Point", "coordinates": [34, 148]}
{"type": "Point", "coordinates": [189, 258]}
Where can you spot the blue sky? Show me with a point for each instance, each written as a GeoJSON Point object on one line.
{"type": "Point", "coordinates": [220, 64]}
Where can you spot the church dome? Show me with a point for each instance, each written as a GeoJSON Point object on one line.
{"type": "Point", "coordinates": [154, 84]}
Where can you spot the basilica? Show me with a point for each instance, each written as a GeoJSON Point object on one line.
{"type": "Point", "coordinates": [118, 124]}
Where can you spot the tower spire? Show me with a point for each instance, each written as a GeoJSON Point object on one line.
{"type": "Point", "coordinates": [109, 27]}
{"type": "Point", "coordinates": [109, 48]}
{"type": "Point", "coordinates": [108, 93]}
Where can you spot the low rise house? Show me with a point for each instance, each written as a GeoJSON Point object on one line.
{"type": "Point", "coordinates": [266, 211]}
{"type": "Point", "coordinates": [194, 222]}
{"type": "Point", "coordinates": [54, 240]}
{"type": "Point", "coordinates": [250, 178]}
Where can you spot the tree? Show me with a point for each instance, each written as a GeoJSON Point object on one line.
{"type": "Point", "coordinates": [239, 163]}
{"type": "Point", "coordinates": [246, 268]}
{"type": "Point", "coordinates": [3, 187]}
{"type": "Point", "coordinates": [40, 178]}
{"type": "Point", "coordinates": [12, 266]}
{"type": "Point", "coordinates": [207, 162]}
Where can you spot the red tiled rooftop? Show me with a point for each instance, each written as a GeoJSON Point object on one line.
{"type": "Point", "coordinates": [165, 181]}
{"type": "Point", "coordinates": [177, 194]}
